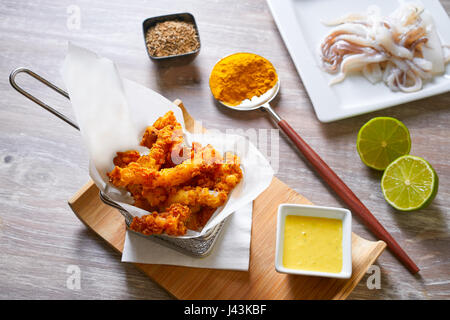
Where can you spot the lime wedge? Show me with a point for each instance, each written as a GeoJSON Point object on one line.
{"type": "Point", "coordinates": [382, 140]}
{"type": "Point", "coordinates": [409, 183]}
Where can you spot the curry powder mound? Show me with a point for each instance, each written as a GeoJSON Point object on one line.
{"type": "Point", "coordinates": [241, 76]}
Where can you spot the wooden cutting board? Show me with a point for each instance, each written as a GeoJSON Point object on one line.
{"type": "Point", "coordinates": [261, 281]}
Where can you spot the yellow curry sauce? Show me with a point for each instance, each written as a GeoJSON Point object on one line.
{"type": "Point", "coordinates": [313, 244]}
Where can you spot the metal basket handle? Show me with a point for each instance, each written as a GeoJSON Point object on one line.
{"type": "Point", "coordinates": [12, 80]}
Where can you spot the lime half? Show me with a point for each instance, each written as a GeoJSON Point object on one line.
{"type": "Point", "coordinates": [382, 140]}
{"type": "Point", "coordinates": [409, 183]}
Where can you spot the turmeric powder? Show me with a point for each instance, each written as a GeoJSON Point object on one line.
{"type": "Point", "coordinates": [241, 76]}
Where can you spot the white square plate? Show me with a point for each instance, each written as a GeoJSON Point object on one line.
{"type": "Point", "coordinates": [301, 27]}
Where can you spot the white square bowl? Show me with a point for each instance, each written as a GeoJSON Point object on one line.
{"type": "Point", "coordinates": [345, 215]}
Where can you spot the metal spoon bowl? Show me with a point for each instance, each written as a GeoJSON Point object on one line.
{"type": "Point", "coordinates": [262, 102]}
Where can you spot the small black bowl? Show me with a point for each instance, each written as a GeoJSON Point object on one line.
{"type": "Point", "coordinates": [187, 17]}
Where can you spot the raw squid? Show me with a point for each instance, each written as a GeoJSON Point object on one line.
{"type": "Point", "coordinates": [403, 49]}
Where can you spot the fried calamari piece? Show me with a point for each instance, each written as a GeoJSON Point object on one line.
{"type": "Point", "coordinates": [203, 160]}
{"type": "Point", "coordinates": [166, 134]}
{"type": "Point", "coordinates": [154, 197]}
{"type": "Point", "coordinates": [139, 201]}
{"type": "Point", "coordinates": [178, 147]}
{"type": "Point", "coordinates": [150, 136]}
{"type": "Point", "coordinates": [224, 178]}
{"type": "Point", "coordinates": [151, 133]}
{"type": "Point", "coordinates": [171, 222]}
{"type": "Point", "coordinates": [125, 158]}
{"type": "Point", "coordinates": [157, 155]}
{"type": "Point", "coordinates": [205, 180]}
{"type": "Point", "coordinates": [197, 196]}
{"type": "Point", "coordinates": [178, 175]}
{"type": "Point", "coordinates": [199, 219]}
{"type": "Point", "coordinates": [135, 173]}
{"type": "Point", "coordinates": [161, 148]}
{"type": "Point", "coordinates": [229, 174]}
{"type": "Point", "coordinates": [160, 139]}
{"type": "Point", "coordinates": [167, 119]}
{"type": "Point", "coordinates": [177, 155]}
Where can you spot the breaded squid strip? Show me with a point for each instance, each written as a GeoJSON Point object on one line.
{"type": "Point", "coordinates": [165, 135]}
{"type": "Point", "coordinates": [167, 119]}
{"type": "Point", "coordinates": [151, 133]}
{"type": "Point", "coordinates": [163, 144]}
{"type": "Point", "coordinates": [229, 174]}
{"type": "Point", "coordinates": [171, 222]}
{"type": "Point", "coordinates": [149, 137]}
{"type": "Point", "coordinates": [197, 220]}
{"type": "Point", "coordinates": [135, 173]}
{"type": "Point", "coordinates": [197, 196]}
{"type": "Point", "coordinates": [154, 196]}
{"type": "Point", "coordinates": [125, 158]}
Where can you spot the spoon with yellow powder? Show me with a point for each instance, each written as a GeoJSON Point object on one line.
{"type": "Point", "coordinates": [246, 81]}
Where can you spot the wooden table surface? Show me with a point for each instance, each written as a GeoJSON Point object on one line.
{"type": "Point", "coordinates": [43, 162]}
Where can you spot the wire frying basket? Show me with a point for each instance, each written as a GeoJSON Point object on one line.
{"type": "Point", "coordinates": [199, 246]}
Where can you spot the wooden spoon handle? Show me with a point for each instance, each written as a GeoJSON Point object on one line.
{"type": "Point", "coordinates": [347, 195]}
